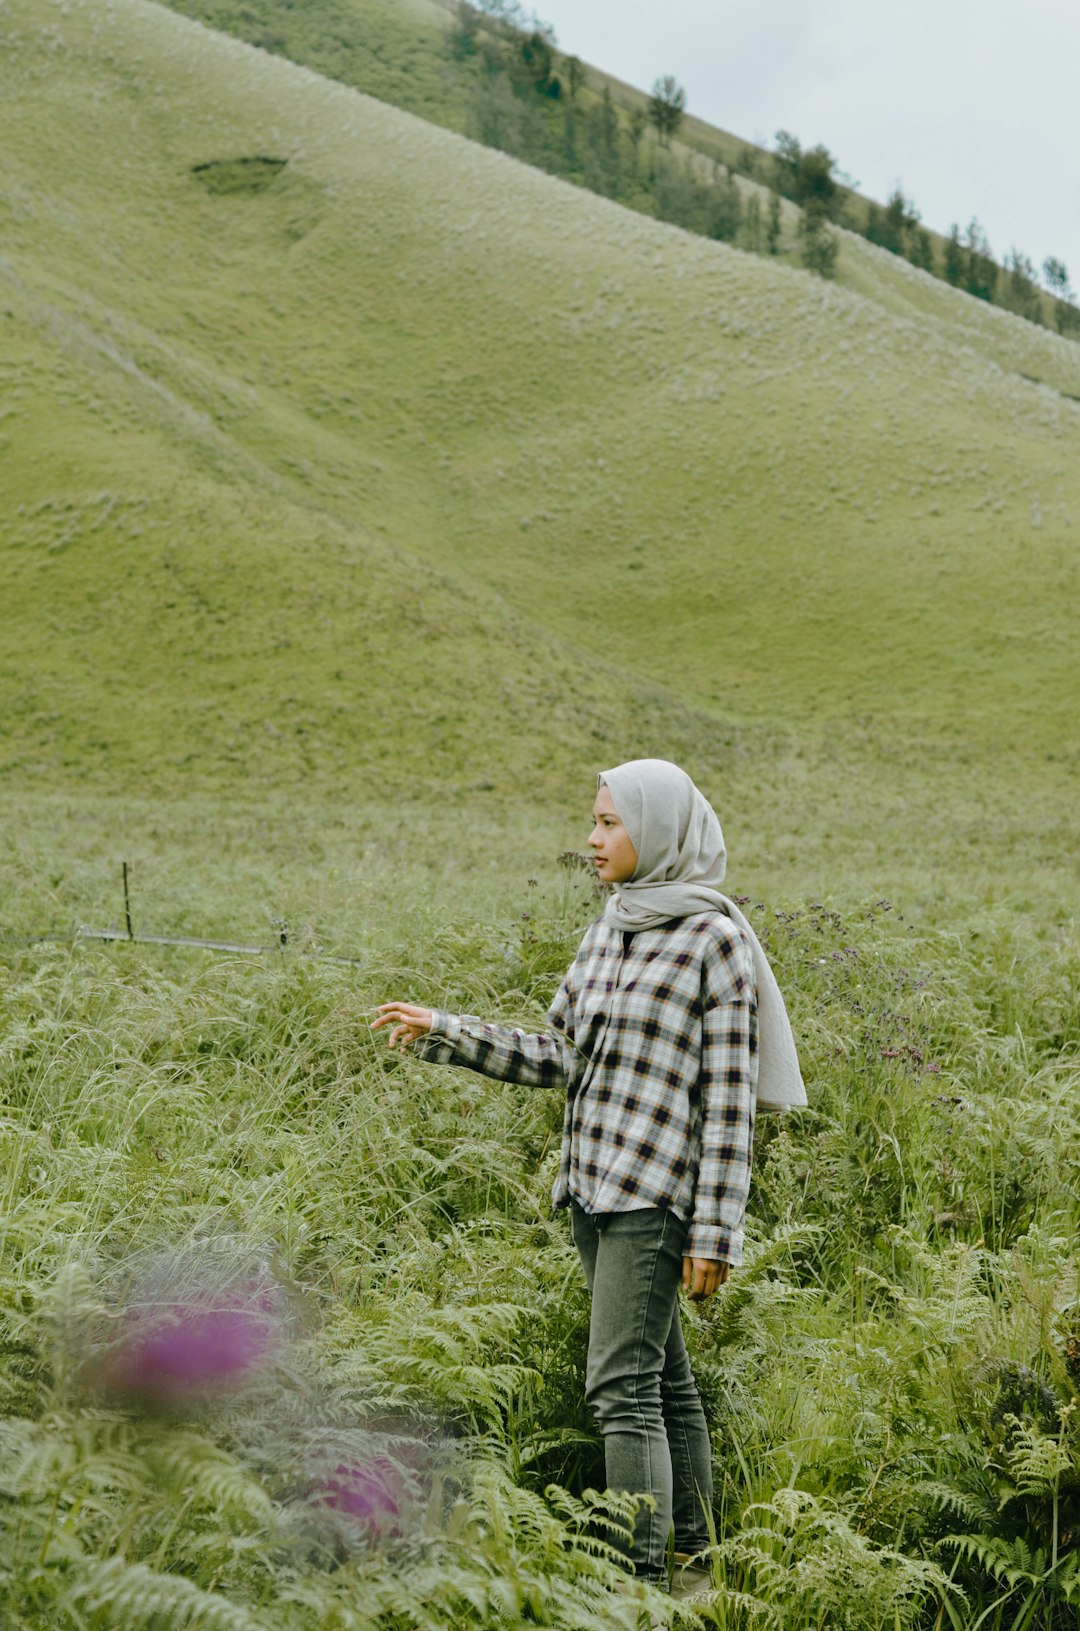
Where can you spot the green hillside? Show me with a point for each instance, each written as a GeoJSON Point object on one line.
{"type": "Point", "coordinates": [363, 492]}
{"type": "Point", "coordinates": [393, 466]}
{"type": "Point", "coordinates": [482, 78]}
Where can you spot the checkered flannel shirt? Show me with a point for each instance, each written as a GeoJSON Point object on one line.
{"type": "Point", "coordinates": [653, 1036]}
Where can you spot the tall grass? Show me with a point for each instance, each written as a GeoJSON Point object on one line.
{"type": "Point", "coordinates": [889, 1378]}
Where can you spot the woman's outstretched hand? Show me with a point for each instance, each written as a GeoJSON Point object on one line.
{"type": "Point", "coordinates": [410, 1022]}
{"type": "Point", "coordinates": [701, 1276]}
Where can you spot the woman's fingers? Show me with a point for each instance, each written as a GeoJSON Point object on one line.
{"type": "Point", "coordinates": [702, 1276]}
{"type": "Point", "coordinates": [700, 1280]}
{"type": "Point", "coordinates": [410, 1022]}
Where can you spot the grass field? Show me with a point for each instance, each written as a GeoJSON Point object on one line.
{"type": "Point", "coordinates": [312, 484]}
{"type": "Point", "coordinates": [364, 492]}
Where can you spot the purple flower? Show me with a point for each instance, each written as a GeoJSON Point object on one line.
{"type": "Point", "coordinates": [369, 1492]}
{"type": "Point", "coordinates": [174, 1355]}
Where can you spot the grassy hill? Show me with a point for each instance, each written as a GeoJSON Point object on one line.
{"type": "Point", "coordinates": [342, 455]}
{"type": "Point", "coordinates": [415, 56]}
{"type": "Point", "coordinates": [363, 492]}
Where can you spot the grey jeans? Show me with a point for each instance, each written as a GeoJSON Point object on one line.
{"type": "Point", "coordinates": [639, 1381]}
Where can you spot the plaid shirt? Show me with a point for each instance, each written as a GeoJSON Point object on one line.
{"type": "Point", "coordinates": [654, 1039]}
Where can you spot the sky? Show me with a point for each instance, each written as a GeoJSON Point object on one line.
{"type": "Point", "coordinates": [971, 106]}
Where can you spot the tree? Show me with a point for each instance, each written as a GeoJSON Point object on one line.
{"type": "Point", "coordinates": [815, 184]}
{"type": "Point", "coordinates": [786, 160]}
{"type": "Point", "coordinates": [955, 259]}
{"type": "Point", "coordinates": [820, 247]}
{"type": "Point", "coordinates": [533, 63]}
{"type": "Point", "coordinates": [894, 223]}
{"type": "Point", "coordinates": [666, 107]}
{"type": "Point", "coordinates": [805, 176]}
{"type": "Point", "coordinates": [921, 250]}
{"type": "Point", "coordinates": [981, 270]}
{"type": "Point", "coordinates": [772, 231]}
{"type": "Point", "coordinates": [576, 76]}
{"type": "Point", "coordinates": [1056, 277]}
{"type": "Point", "coordinates": [677, 194]}
{"type": "Point", "coordinates": [603, 167]}
{"type": "Point", "coordinates": [1021, 290]}
{"type": "Point", "coordinates": [752, 226]}
{"type": "Point", "coordinates": [899, 229]}
{"type": "Point", "coordinates": [464, 29]}
{"type": "Point", "coordinates": [746, 161]}
{"type": "Point", "coordinates": [511, 13]}
{"type": "Point", "coordinates": [725, 207]}
{"type": "Point", "coordinates": [501, 117]}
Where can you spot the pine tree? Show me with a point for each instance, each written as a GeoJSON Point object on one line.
{"type": "Point", "coordinates": [752, 227]}
{"type": "Point", "coordinates": [576, 77]}
{"type": "Point", "coordinates": [894, 223]}
{"type": "Point", "coordinates": [955, 259]}
{"type": "Point", "coordinates": [1021, 293]}
{"type": "Point", "coordinates": [772, 231]}
{"type": "Point", "coordinates": [464, 30]}
{"type": "Point", "coordinates": [725, 207]}
{"type": "Point", "coordinates": [981, 273]}
{"type": "Point", "coordinates": [786, 160]}
{"type": "Point", "coordinates": [666, 107]}
{"type": "Point", "coordinates": [820, 245]}
{"type": "Point", "coordinates": [1056, 278]}
{"type": "Point", "coordinates": [604, 166]}
{"type": "Point", "coordinates": [921, 250]}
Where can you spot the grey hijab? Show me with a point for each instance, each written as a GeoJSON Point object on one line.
{"type": "Point", "coordinates": [681, 865]}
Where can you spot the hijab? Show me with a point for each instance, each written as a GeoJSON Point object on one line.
{"type": "Point", "coordinates": [680, 867]}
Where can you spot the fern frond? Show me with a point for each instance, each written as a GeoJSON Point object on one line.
{"type": "Point", "coordinates": [207, 1475]}
{"type": "Point", "coordinates": [136, 1595]}
{"type": "Point", "coordinates": [950, 1499]}
{"type": "Point", "coordinates": [1010, 1561]}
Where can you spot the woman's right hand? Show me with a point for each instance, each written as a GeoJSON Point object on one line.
{"type": "Point", "coordinates": [410, 1022]}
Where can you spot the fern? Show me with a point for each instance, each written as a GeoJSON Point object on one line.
{"type": "Point", "coordinates": [1013, 1562]}
{"type": "Point", "coordinates": [132, 1595]}
{"type": "Point", "coordinates": [859, 1370]}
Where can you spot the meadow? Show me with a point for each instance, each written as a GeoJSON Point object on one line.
{"type": "Point", "coordinates": [364, 493]}
{"type": "Point", "coordinates": [891, 1377]}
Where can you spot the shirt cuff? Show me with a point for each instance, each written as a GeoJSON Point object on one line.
{"type": "Point", "coordinates": [441, 1040]}
{"type": "Point", "coordinates": [715, 1243]}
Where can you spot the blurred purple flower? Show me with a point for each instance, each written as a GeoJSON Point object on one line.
{"type": "Point", "coordinates": [174, 1355]}
{"type": "Point", "coordinates": [369, 1492]}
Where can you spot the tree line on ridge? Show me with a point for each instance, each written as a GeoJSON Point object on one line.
{"type": "Point", "coordinates": [528, 101]}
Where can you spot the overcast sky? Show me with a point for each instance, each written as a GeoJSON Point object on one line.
{"type": "Point", "coordinates": [972, 106]}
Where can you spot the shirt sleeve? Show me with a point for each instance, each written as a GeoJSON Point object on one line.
{"type": "Point", "coordinates": [727, 1082]}
{"type": "Point", "coordinates": [531, 1060]}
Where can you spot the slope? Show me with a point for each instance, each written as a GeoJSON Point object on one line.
{"type": "Point", "coordinates": [403, 54]}
{"type": "Point", "coordinates": [377, 452]}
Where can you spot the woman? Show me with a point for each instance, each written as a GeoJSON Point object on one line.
{"type": "Point", "coordinates": [654, 1035]}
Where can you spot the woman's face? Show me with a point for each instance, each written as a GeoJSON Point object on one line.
{"type": "Point", "coordinates": [614, 856]}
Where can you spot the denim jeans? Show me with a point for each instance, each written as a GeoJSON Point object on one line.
{"type": "Point", "coordinates": [639, 1381]}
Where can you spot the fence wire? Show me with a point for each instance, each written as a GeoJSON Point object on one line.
{"type": "Point", "coordinates": [282, 946]}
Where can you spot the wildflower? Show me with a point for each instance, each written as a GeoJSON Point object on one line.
{"type": "Point", "coordinates": [175, 1355]}
{"type": "Point", "coordinates": [369, 1492]}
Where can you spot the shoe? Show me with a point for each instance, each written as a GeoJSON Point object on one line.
{"type": "Point", "coordinates": [690, 1580]}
